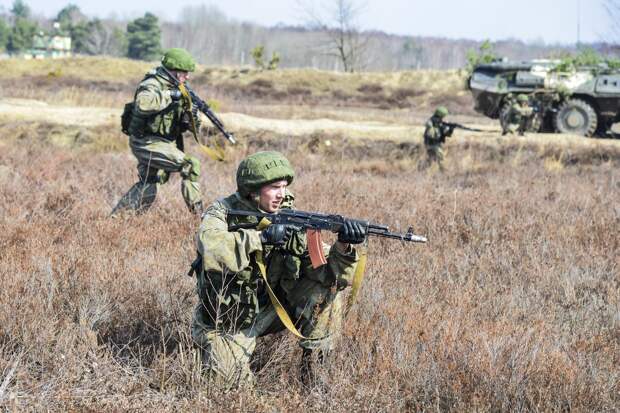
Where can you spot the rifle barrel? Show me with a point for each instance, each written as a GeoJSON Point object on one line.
{"type": "Point", "coordinates": [204, 108]}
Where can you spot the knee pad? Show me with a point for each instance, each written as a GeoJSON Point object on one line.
{"type": "Point", "coordinates": [191, 168]}
{"type": "Point", "coordinates": [162, 176]}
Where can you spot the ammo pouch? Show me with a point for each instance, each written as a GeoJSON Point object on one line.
{"type": "Point", "coordinates": [131, 123]}
{"type": "Point", "coordinates": [126, 117]}
{"type": "Point", "coordinates": [159, 124]}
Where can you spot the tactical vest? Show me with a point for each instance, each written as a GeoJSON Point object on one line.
{"type": "Point", "coordinates": [516, 114]}
{"type": "Point", "coordinates": [433, 134]}
{"type": "Point", "coordinates": [166, 123]}
{"type": "Point", "coordinates": [236, 298]}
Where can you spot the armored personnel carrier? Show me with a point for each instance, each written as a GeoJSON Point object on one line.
{"type": "Point", "coordinates": [583, 101]}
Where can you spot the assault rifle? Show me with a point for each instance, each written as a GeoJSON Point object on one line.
{"type": "Point", "coordinates": [202, 106]}
{"type": "Point", "coordinates": [314, 222]}
{"type": "Point", "coordinates": [453, 126]}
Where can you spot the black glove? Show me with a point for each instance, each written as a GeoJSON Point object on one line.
{"type": "Point", "coordinates": [447, 130]}
{"type": "Point", "coordinates": [175, 95]}
{"type": "Point", "coordinates": [186, 121]}
{"type": "Point", "coordinates": [352, 232]}
{"type": "Point", "coordinates": [276, 234]}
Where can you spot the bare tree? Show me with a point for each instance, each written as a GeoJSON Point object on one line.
{"type": "Point", "coordinates": [107, 37]}
{"type": "Point", "coordinates": [337, 20]}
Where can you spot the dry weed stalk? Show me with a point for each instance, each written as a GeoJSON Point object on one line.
{"type": "Point", "coordinates": [512, 306]}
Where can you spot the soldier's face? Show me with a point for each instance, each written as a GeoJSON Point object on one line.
{"type": "Point", "coordinates": [181, 76]}
{"type": "Point", "coordinates": [271, 196]}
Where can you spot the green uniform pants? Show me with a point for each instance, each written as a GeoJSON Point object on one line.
{"type": "Point", "coordinates": [515, 128]}
{"type": "Point", "coordinates": [435, 153]}
{"type": "Point", "coordinates": [226, 354]}
{"type": "Point", "coordinates": [157, 158]}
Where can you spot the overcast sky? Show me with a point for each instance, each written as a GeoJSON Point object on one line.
{"type": "Point", "coordinates": [551, 21]}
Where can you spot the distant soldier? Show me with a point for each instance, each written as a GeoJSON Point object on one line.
{"type": "Point", "coordinates": [518, 116]}
{"type": "Point", "coordinates": [160, 116]}
{"type": "Point", "coordinates": [435, 134]}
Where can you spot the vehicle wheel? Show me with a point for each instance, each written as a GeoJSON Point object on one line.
{"type": "Point", "coordinates": [577, 117]}
{"type": "Point", "coordinates": [503, 115]}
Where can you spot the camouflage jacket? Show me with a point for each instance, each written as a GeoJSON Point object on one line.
{"type": "Point", "coordinates": [231, 287]}
{"type": "Point", "coordinates": [435, 133]}
{"type": "Point", "coordinates": [518, 113]}
{"type": "Point", "coordinates": [155, 113]}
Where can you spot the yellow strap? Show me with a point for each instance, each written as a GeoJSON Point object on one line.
{"type": "Point", "coordinates": [356, 284]}
{"type": "Point", "coordinates": [216, 153]}
{"type": "Point", "coordinates": [280, 310]}
{"type": "Point", "coordinates": [358, 277]}
{"type": "Point", "coordinates": [187, 99]}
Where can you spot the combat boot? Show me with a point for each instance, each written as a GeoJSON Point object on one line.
{"type": "Point", "coordinates": [307, 371]}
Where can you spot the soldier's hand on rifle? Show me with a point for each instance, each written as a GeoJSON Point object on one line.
{"type": "Point", "coordinates": [352, 232]}
{"type": "Point", "coordinates": [175, 95]}
{"type": "Point", "coordinates": [448, 130]}
{"type": "Point", "coordinates": [276, 234]}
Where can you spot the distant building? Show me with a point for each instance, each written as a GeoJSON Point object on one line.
{"type": "Point", "coordinates": [53, 45]}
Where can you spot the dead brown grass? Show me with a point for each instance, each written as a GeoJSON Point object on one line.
{"type": "Point", "coordinates": [512, 306]}
{"type": "Point", "coordinates": [99, 81]}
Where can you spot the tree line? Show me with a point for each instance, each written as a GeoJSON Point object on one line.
{"type": "Point", "coordinates": [215, 39]}
{"type": "Point", "coordinates": [139, 38]}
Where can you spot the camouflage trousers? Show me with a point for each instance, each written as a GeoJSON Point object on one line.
{"type": "Point", "coordinates": [515, 128]}
{"type": "Point", "coordinates": [226, 353]}
{"type": "Point", "coordinates": [157, 158]}
{"type": "Point", "coordinates": [434, 153]}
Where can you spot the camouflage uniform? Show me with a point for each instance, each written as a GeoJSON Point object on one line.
{"type": "Point", "coordinates": [518, 116]}
{"type": "Point", "coordinates": [435, 134]}
{"type": "Point", "coordinates": [234, 307]}
{"type": "Point", "coordinates": [156, 129]}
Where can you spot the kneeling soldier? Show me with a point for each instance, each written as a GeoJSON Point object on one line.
{"type": "Point", "coordinates": [239, 254]}
{"type": "Point", "coordinates": [518, 116]}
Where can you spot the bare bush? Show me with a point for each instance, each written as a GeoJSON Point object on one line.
{"type": "Point", "coordinates": [512, 306]}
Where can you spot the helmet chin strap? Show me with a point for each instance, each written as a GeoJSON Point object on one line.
{"type": "Point", "coordinates": [171, 74]}
{"type": "Point", "coordinates": [255, 199]}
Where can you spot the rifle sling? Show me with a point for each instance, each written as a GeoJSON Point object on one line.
{"type": "Point", "coordinates": [356, 284]}
{"type": "Point", "coordinates": [358, 278]}
{"type": "Point", "coordinates": [217, 153]}
{"type": "Point", "coordinates": [280, 310]}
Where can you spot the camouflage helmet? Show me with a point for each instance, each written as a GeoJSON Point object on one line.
{"type": "Point", "coordinates": [522, 98]}
{"type": "Point", "coordinates": [441, 112]}
{"type": "Point", "coordinates": [262, 168]}
{"type": "Point", "coordinates": [178, 59]}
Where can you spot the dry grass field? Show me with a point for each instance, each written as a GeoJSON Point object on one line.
{"type": "Point", "coordinates": [513, 305]}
